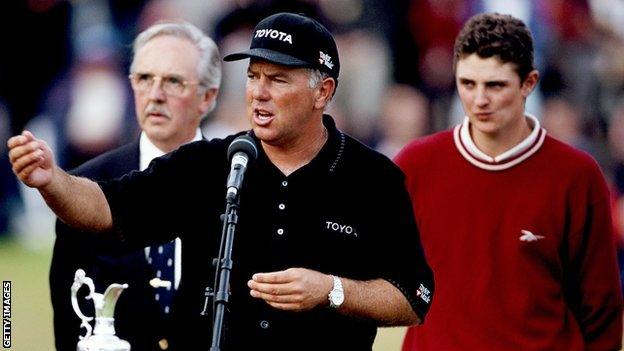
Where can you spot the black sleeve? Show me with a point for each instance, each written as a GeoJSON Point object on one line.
{"type": "Point", "coordinates": [160, 203]}
{"type": "Point", "coordinates": [401, 258]}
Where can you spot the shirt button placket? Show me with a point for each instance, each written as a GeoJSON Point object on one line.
{"type": "Point", "coordinates": [281, 207]}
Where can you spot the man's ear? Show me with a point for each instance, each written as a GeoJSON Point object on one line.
{"type": "Point", "coordinates": [325, 92]}
{"type": "Point", "coordinates": [530, 82]}
{"type": "Point", "coordinates": [208, 99]}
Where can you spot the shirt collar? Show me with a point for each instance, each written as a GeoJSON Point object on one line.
{"type": "Point", "coordinates": [148, 151]}
{"type": "Point", "coordinates": [330, 155]}
{"type": "Point", "coordinates": [509, 158]}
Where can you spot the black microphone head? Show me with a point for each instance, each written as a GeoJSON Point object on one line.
{"type": "Point", "coordinates": [243, 143]}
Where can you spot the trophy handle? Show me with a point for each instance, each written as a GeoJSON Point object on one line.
{"type": "Point", "coordinates": [80, 278]}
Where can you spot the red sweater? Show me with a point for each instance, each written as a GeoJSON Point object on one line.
{"type": "Point", "coordinates": [522, 250]}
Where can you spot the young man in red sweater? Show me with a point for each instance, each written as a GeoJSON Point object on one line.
{"type": "Point", "coordinates": [515, 224]}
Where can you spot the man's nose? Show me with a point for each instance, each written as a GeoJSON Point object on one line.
{"type": "Point", "coordinates": [482, 97]}
{"type": "Point", "coordinates": [259, 89]}
{"type": "Point", "coordinates": [156, 91]}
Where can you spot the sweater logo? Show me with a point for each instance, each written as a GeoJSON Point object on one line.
{"type": "Point", "coordinates": [527, 236]}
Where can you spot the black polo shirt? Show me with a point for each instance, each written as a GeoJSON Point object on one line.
{"type": "Point", "coordinates": [345, 213]}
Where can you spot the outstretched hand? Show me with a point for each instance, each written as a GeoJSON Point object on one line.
{"type": "Point", "coordinates": [294, 289]}
{"type": "Point", "coordinates": [32, 159]}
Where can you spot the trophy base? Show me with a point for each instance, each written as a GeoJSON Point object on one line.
{"type": "Point", "coordinates": [103, 343]}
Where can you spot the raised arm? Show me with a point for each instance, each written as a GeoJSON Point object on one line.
{"type": "Point", "coordinates": [78, 202]}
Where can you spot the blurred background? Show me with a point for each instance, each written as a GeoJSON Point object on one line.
{"type": "Point", "coordinates": [63, 76]}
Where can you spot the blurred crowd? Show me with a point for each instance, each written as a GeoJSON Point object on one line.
{"type": "Point", "coordinates": [65, 78]}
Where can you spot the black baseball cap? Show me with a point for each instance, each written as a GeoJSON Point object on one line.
{"type": "Point", "coordinates": [293, 40]}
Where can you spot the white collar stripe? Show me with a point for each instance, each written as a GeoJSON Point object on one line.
{"type": "Point", "coordinates": [506, 160]}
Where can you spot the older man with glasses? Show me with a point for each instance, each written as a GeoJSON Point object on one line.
{"type": "Point", "coordinates": [175, 76]}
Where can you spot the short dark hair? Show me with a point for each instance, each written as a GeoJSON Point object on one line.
{"type": "Point", "coordinates": [495, 34]}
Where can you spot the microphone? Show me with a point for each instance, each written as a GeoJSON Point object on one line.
{"type": "Point", "coordinates": [241, 151]}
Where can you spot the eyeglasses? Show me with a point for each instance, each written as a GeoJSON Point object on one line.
{"type": "Point", "coordinates": [171, 85]}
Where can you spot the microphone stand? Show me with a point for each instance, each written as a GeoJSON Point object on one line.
{"type": "Point", "coordinates": [242, 150]}
{"type": "Point", "coordinates": [224, 267]}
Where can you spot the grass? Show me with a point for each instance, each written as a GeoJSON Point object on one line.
{"type": "Point", "coordinates": [31, 312]}
{"type": "Point", "coordinates": [389, 339]}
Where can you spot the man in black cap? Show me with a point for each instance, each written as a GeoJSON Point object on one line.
{"type": "Point", "coordinates": [317, 266]}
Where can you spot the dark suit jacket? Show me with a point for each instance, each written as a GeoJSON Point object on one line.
{"type": "Point", "coordinates": [137, 318]}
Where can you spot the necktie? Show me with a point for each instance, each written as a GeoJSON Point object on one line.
{"type": "Point", "coordinates": [161, 257]}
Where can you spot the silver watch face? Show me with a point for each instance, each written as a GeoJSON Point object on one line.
{"type": "Point", "coordinates": [336, 298]}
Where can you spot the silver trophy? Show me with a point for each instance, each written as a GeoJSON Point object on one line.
{"type": "Point", "coordinates": [103, 337]}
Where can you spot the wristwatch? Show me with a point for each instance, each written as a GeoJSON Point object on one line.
{"type": "Point", "coordinates": [336, 295]}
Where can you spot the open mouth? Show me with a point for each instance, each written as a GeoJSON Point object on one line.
{"type": "Point", "coordinates": [262, 117]}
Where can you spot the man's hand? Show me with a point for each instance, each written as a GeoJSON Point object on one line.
{"type": "Point", "coordinates": [79, 202]}
{"type": "Point", "coordinates": [32, 159]}
{"type": "Point", "coordinates": [295, 289]}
